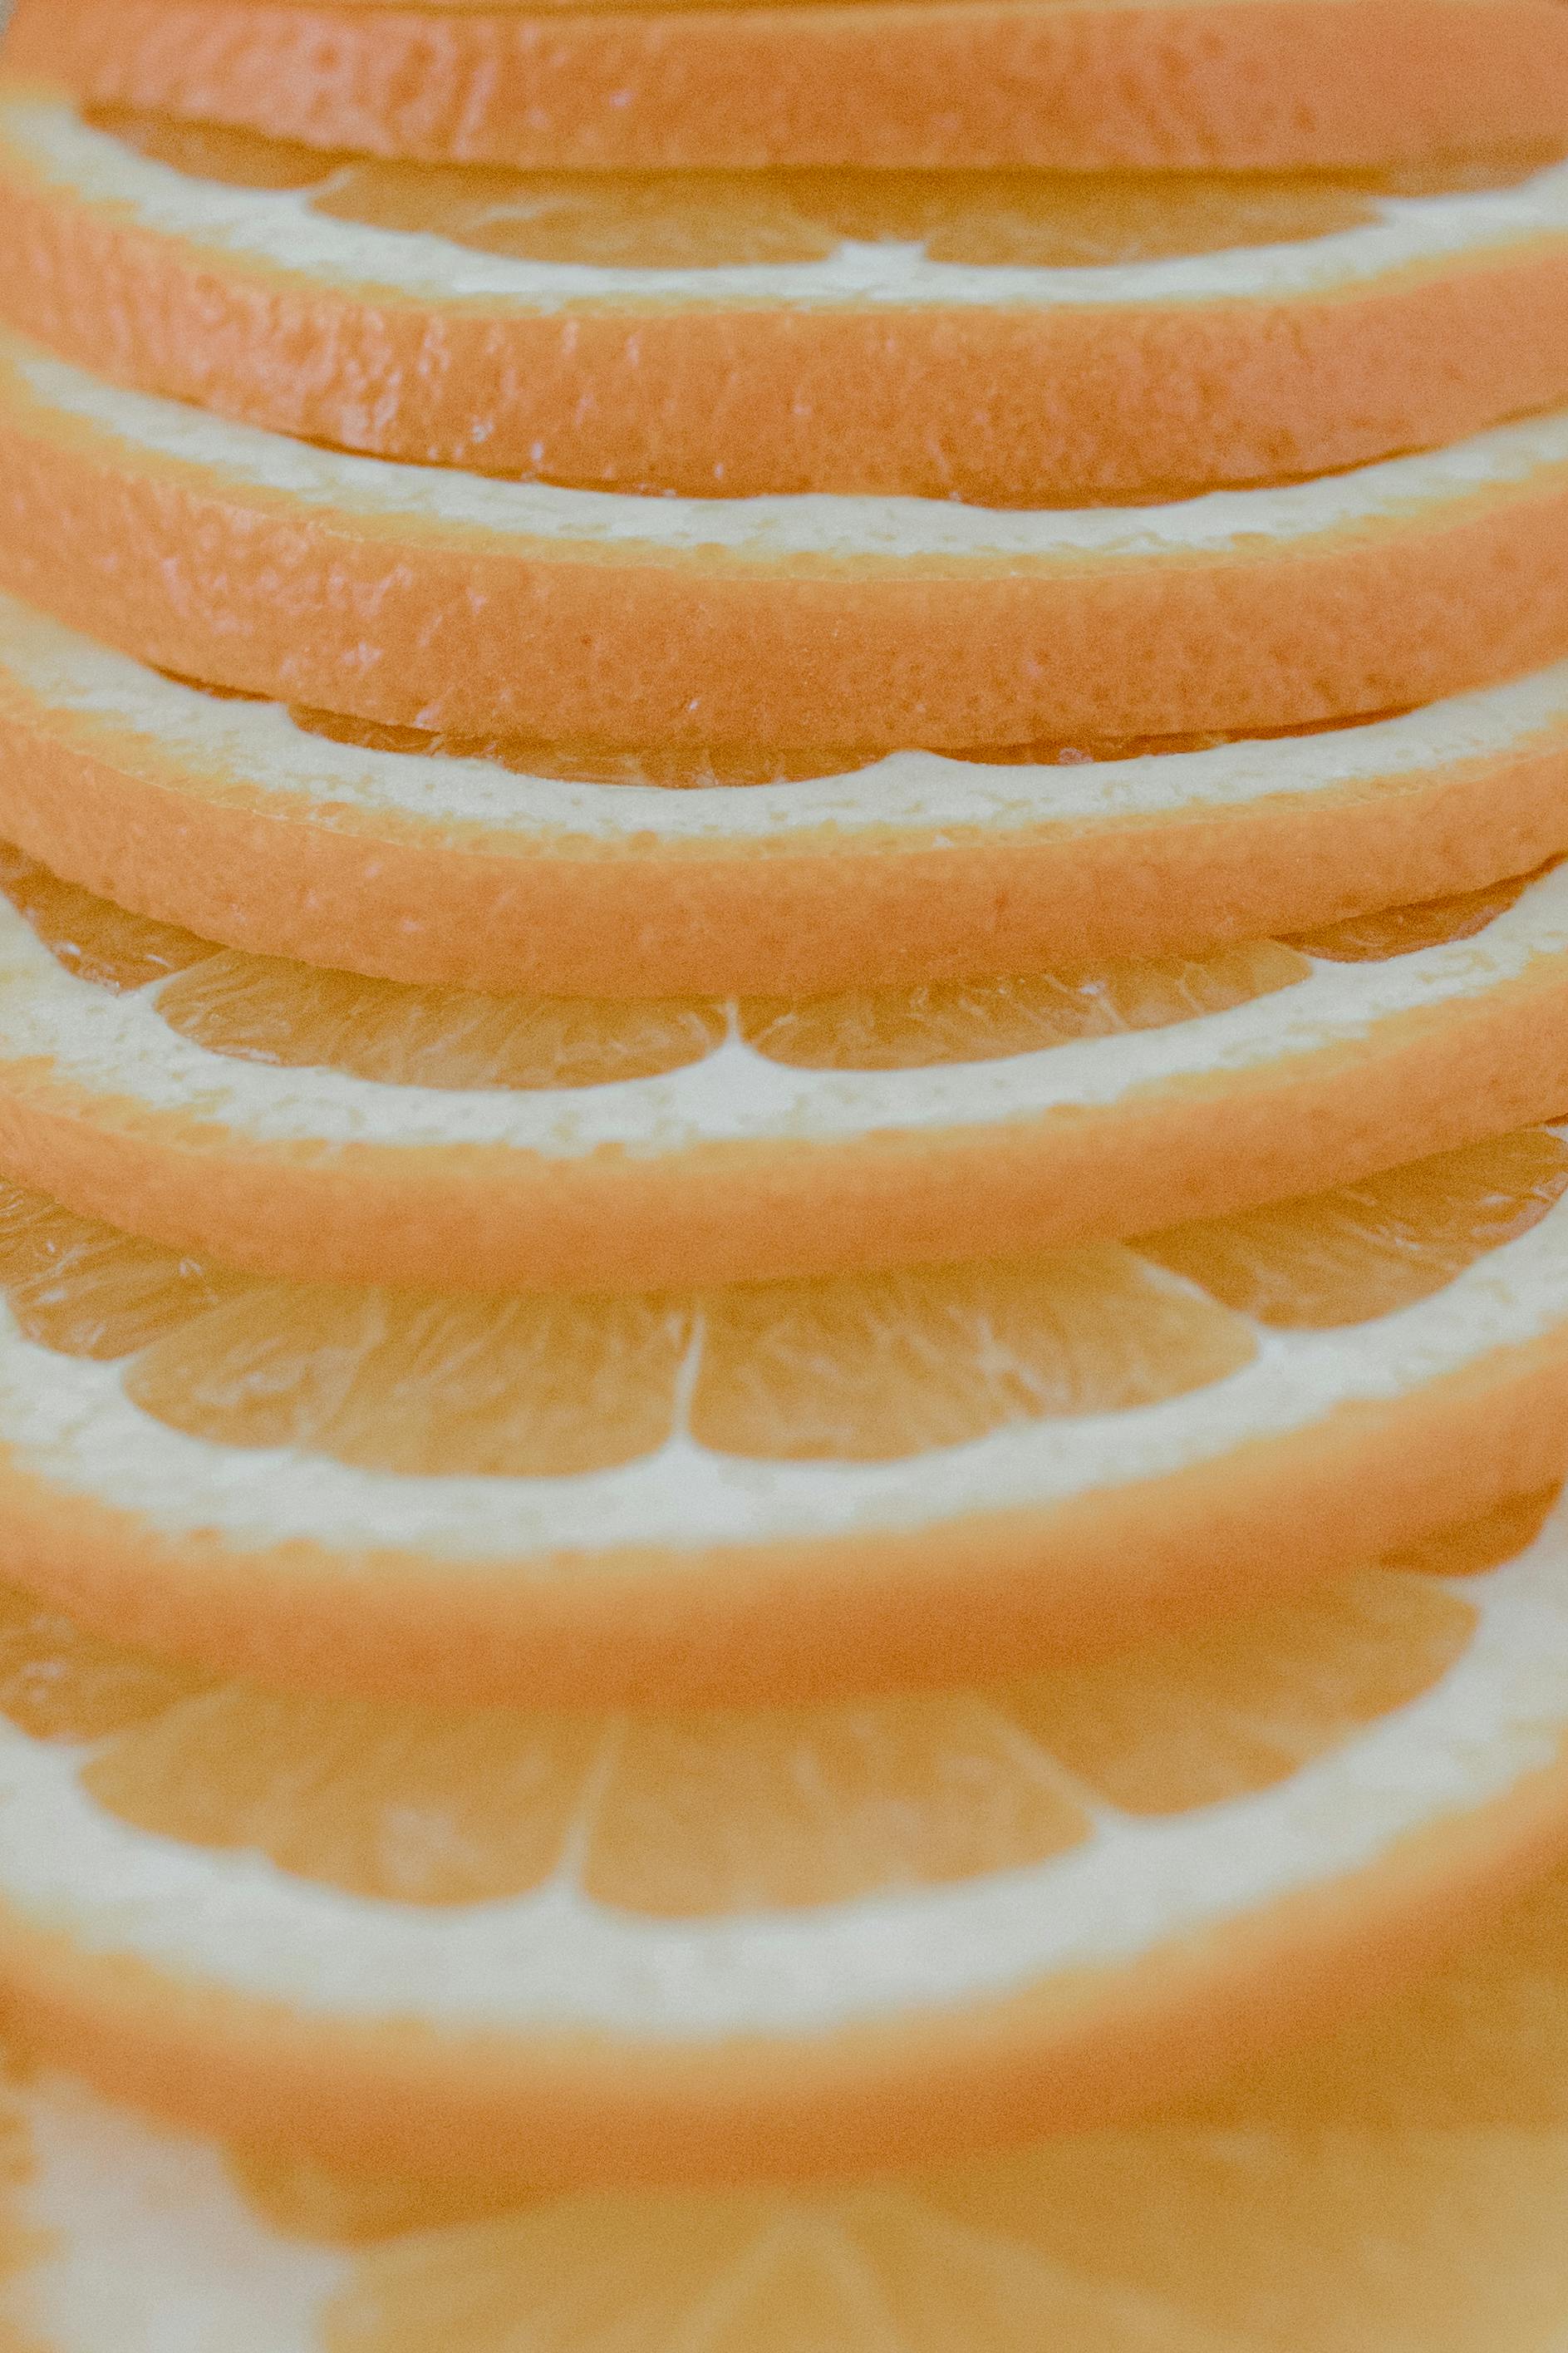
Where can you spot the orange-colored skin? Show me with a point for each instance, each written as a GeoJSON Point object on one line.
{"type": "Point", "coordinates": [1002, 405]}
{"type": "Point", "coordinates": [562, 2111]}
{"type": "Point", "coordinates": [440, 624]}
{"type": "Point", "coordinates": [387, 895]}
{"type": "Point", "coordinates": [1167, 84]}
{"type": "Point", "coordinates": [496, 1217]}
{"type": "Point", "coordinates": [968, 1600]}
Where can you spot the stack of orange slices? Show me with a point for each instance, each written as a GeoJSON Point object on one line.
{"type": "Point", "coordinates": [784, 1177]}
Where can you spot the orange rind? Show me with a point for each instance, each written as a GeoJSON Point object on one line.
{"type": "Point", "coordinates": [794, 332]}
{"type": "Point", "coordinates": [778, 1490]}
{"type": "Point", "coordinates": [429, 598]}
{"type": "Point", "coordinates": [504, 867]}
{"type": "Point", "coordinates": [320, 1125]}
{"type": "Point", "coordinates": [1201, 84]}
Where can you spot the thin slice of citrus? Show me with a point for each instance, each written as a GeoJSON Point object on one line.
{"type": "Point", "coordinates": [580, 1948]}
{"type": "Point", "coordinates": [1399, 2186]}
{"type": "Point", "coordinates": [785, 1489]}
{"type": "Point", "coordinates": [1185, 84]}
{"type": "Point", "coordinates": [1008, 338]}
{"type": "Point", "coordinates": [428, 596]}
{"type": "Point", "coordinates": [318, 1125]}
{"type": "Point", "coordinates": [505, 866]}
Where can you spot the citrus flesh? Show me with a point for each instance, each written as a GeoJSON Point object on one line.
{"type": "Point", "coordinates": [677, 1945]}
{"type": "Point", "coordinates": [781, 1488]}
{"type": "Point", "coordinates": [572, 869]}
{"type": "Point", "coordinates": [1007, 338]}
{"type": "Point", "coordinates": [1270, 84]}
{"type": "Point", "coordinates": [405, 595]}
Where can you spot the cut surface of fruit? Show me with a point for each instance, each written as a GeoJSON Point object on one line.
{"type": "Point", "coordinates": [327, 1126]}
{"type": "Point", "coordinates": [1003, 337]}
{"type": "Point", "coordinates": [1310, 2219]}
{"type": "Point", "coordinates": [432, 597]}
{"type": "Point", "coordinates": [498, 867]}
{"type": "Point", "coordinates": [1397, 2183]}
{"type": "Point", "coordinates": [772, 1490]}
{"type": "Point", "coordinates": [1202, 84]}
{"type": "Point", "coordinates": [712, 1942]}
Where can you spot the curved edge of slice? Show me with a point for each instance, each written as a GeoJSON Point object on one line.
{"type": "Point", "coordinates": [965, 1592]}
{"type": "Point", "coordinates": [1273, 84]}
{"type": "Point", "coordinates": [250, 561]}
{"type": "Point", "coordinates": [1155, 2237]}
{"type": "Point", "coordinates": [751, 393]}
{"type": "Point", "coordinates": [222, 816]}
{"type": "Point", "coordinates": [749, 1171]}
{"type": "Point", "coordinates": [566, 2104]}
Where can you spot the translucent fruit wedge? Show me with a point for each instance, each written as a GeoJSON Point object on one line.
{"type": "Point", "coordinates": [433, 597]}
{"type": "Point", "coordinates": [1008, 338]}
{"type": "Point", "coordinates": [504, 866]}
{"type": "Point", "coordinates": [719, 1944]}
{"type": "Point", "coordinates": [1400, 2186]}
{"type": "Point", "coordinates": [1184, 85]}
{"type": "Point", "coordinates": [321, 1125]}
{"type": "Point", "coordinates": [774, 1490]}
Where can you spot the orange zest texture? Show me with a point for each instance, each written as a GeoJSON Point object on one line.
{"type": "Point", "coordinates": [1003, 338]}
{"type": "Point", "coordinates": [428, 597]}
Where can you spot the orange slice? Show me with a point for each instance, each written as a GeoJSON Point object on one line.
{"type": "Point", "coordinates": [772, 1490]}
{"type": "Point", "coordinates": [1006, 339]}
{"type": "Point", "coordinates": [1174, 84]}
{"type": "Point", "coordinates": [579, 1948]}
{"type": "Point", "coordinates": [323, 1126]}
{"type": "Point", "coordinates": [426, 596]}
{"type": "Point", "coordinates": [505, 866]}
{"type": "Point", "coordinates": [1401, 2186]}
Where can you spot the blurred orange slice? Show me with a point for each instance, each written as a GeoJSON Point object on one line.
{"type": "Point", "coordinates": [772, 1490]}
{"type": "Point", "coordinates": [1188, 84]}
{"type": "Point", "coordinates": [709, 1943]}
{"type": "Point", "coordinates": [1400, 2185]}
{"type": "Point", "coordinates": [1010, 338]}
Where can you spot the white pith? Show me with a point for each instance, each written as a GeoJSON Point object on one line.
{"type": "Point", "coordinates": [555, 1961]}
{"type": "Point", "coordinates": [280, 229]}
{"type": "Point", "coordinates": [222, 458]}
{"type": "Point", "coordinates": [116, 709]}
{"type": "Point", "coordinates": [148, 2245]}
